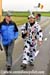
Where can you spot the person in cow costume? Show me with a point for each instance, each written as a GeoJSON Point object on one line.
{"type": "Point", "coordinates": [31, 33]}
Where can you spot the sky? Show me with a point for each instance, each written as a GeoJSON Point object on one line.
{"type": "Point", "coordinates": [25, 5]}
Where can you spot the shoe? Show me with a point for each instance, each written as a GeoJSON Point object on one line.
{"type": "Point", "coordinates": [23, 66]}
{"type": "Point", "coordinates": [8, 68]}
{"type": "Point", "coordinates": [31, 64]}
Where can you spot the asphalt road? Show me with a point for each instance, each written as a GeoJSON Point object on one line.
{"type": "Point", "coordinates": [42, 61]}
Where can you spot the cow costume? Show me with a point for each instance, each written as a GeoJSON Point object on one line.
{"type": "Point", "coordinates": [33, 34]}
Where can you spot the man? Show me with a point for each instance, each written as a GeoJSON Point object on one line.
{"type": "Point", "coordinates": [38, 17]}
{"type": "Point", "coordinates": [9, 33]}
{"type": "Point", "coordinates": [31, 33]}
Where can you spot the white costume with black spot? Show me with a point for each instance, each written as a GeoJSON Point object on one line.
{"type": "Point", "coordinates": [30, 41]}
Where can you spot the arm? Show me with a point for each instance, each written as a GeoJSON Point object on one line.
{"type": "Point", "coordinates": [0, 32]}
{"type": "Point", "coordinates": [16, 31]}
{"type": "Point", "coordinates": [0, 28]}
{"type": "Point", "coordinates": [23, 31]}
{"type": "Point", "coordinates": [39, 34]}
{"type": "Point", "coordinates": [0, 38]}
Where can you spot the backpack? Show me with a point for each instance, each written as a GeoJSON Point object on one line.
{"type": "Point", "coordinates": [24, 35]}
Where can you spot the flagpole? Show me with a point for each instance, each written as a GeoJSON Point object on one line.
{"type": "Point", "coordinates": [0, 10]}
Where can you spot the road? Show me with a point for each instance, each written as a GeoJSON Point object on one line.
{"type": "Point", "coordinates": [42, 61]}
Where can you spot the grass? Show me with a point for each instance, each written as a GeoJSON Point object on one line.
{"type": "Point", "coordinates": [19, 20]}
{"type": "Point", "coordinates": [25, 14]}
{"type": "Point", "coordinates": [45, 14]}
{"type": "Point", "coordinates": [20, 14]}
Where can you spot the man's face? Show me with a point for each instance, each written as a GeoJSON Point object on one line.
{"type": "Point", "coordinates": [31, 20]}
{"type": "Point", "coordinates": [8, 18]}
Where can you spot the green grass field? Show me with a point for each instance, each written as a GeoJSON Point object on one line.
{"type": "Point", "coordinates": [19, 20]}
{"type": "Point", "coordinates": [25, 14]}
{"type": "Point", "coordinates": [45, 14]}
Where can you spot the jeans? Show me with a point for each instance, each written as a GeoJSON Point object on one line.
{"type": "Point", "coordinates": [8, 51]}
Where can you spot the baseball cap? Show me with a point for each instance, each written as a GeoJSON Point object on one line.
{"type": "Point", "coordinates": [8, 14]}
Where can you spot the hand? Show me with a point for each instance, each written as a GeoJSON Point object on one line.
{"type": "Point", "coordinates": [1, 48]}
{"type": "Point", "coordinates": [33, 37]}
{"type": "Point", "coordinates": [40, 43]}
{"type": "Point", "coordinates": [27, 33]}
{"type": "Point", "coordinates": [15, 39]}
